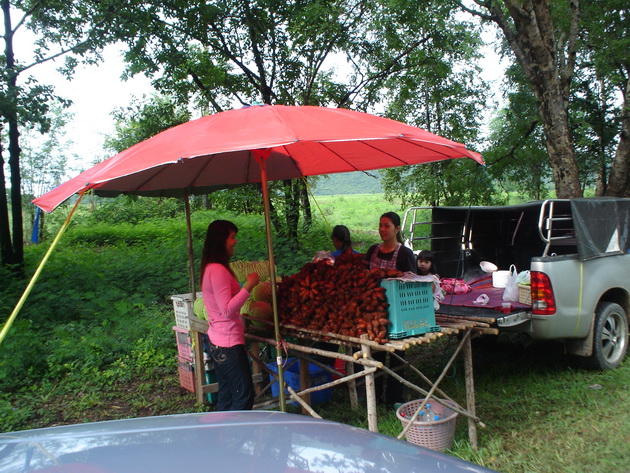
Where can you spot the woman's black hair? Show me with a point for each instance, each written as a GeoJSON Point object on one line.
{"type": "Point", "coordinates": [426, 255]}
{"type": "Point", "coordinates": [341, 233]}
{"type": "Point", "coordinates": [214, 250]}
{"type": "Point", "coordinates": [395, 218]}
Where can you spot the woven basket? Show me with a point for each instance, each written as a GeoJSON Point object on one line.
{"type": "Point", "coordinates": [524, 294]}
{"type": "Point", "coordinates": [436, 435]}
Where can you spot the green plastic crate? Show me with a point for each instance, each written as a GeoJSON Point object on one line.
{"type": "Point", "coordinates": [411, 310]}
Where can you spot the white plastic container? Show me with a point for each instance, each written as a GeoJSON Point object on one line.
{"type": "Point", "coordinates": [500, 278]}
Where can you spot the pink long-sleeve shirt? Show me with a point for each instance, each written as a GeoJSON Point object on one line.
{"type": "Point", "coordinates": [223, 298]}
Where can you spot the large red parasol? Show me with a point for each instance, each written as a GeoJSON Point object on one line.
{"type": "Point", "coordinates": [257, 144]}
{"type": "Point", "coordinates": [218, 151]}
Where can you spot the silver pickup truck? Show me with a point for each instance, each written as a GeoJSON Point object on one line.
{"type": "Point", "coordinates": [578, 255]}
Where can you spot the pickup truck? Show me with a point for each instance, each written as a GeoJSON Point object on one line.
{"type": "Point", "coordinates": [578, 255]}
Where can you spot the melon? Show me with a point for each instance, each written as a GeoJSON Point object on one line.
{"type": "Point", "coordinates": [199, 308]}
{"type": "Point", "coordinates": [243, 268]}
{"type": "Point", "coordinates": [262, 292]}
{"type": "Point", "coordinates": [261, 310]}
{"type": "Point", "coordinates": [246, 307]}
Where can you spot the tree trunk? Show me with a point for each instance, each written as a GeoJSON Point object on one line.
{"type": "Point", "coordinates": [306, 205]}
{"type": "Point", "coordinates": [560, 147]}
{"type": "Point", "coordinates": [6, 249]}
{"type": "Point", "coordinates": [291, 209]}
{"type": "Point", "coordinates": [619, 181]}
{"type": "Point", "coordinates": [529, 31]}
{"type": "Point", "coordinates": [12, 253]}
{"type": "Point", "coordinates": [16, 191]}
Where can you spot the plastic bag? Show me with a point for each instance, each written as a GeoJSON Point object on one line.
{"type": "Point", "coordinates": [524, 277]}
{"type": "Point", "coordinates": [511, 290]}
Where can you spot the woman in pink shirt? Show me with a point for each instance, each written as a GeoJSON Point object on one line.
{"type": "Point", "coordinates": [223, 298]}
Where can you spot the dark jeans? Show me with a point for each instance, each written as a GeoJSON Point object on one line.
{"type": "Point", "coordinates": [236, 390]}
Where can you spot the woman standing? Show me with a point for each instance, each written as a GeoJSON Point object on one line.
{"type": "Point", "coordinates": [224, 298]}
{"type": "Point", "coordinates": [391, 254]}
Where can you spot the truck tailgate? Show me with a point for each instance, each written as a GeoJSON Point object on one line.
{"type": "Point", "coordinates": [484, 314]}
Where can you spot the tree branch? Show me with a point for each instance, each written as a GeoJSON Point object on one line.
{"type": "Point", "coordinates": [387, 70]}
{"type": "Point", "coordinates": [510, 153]}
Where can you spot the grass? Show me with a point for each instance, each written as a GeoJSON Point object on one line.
{"type": "Point", "coordinates": [542, 414]}
{"type": "Point", "coordinates": [359, 212]}
{"type": "Point", "coordinates": [94, 342]}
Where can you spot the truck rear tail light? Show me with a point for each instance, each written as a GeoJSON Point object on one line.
{"type": "Point", "coordinates": [543, 302]}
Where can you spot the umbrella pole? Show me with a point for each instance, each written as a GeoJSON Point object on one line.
{"type": "Point", "coordinates": [191, 256]}
{"type": "Point", "coordinates": [31, 284]}
{"type": "Point", "coordinates": [261, 156]}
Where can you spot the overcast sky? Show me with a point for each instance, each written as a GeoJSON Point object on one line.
{"type": "Point", "coordinates": [96, 91]}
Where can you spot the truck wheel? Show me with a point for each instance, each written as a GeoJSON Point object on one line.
{"type": "Point", "coordinates": [610, 340]}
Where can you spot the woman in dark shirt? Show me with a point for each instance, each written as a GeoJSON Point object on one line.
{"type": "Point", "coordinates": [391, 254]}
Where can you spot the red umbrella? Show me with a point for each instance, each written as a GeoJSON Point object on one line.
{"type": "Point", "coordinates": [257, 144]}
{"type": "Point", "coordinates": [218, 151]}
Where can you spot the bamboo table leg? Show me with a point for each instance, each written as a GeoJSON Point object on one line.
{"type": "Point", "coordinates": [305, 383]}
{"type": "Point", "coordinates": [352, 385]}
{"type": "Point", "coordinates": [370, 393]}
{"type": "Point", "coordinates": [470, 394]}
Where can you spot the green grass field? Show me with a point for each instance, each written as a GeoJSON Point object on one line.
{"type": "Point", "coordinates": [94, 342]}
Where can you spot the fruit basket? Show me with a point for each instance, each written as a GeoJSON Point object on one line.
{"type": "Point", "coordinates": [524, 294]}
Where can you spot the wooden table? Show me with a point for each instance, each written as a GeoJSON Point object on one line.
{"type": "Point", "coordinates": [352, 351]}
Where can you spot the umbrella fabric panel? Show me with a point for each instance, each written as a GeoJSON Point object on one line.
{"type": "Point", "coordinates": [218, 151]}
{"type": "Point", "coordinates": [289, 162]}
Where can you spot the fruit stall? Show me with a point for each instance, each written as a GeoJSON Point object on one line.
{"type": "Point", "coordinates": [337, 321]}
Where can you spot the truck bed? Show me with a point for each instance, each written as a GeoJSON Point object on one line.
{"type": "Point", "coordinates": [463, 306]}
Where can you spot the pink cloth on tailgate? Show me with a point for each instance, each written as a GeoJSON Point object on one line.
{"type": "Point", "coordinates": [480, 285]}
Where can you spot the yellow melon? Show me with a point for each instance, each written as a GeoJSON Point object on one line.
{"type": "Point", "coordinates": [261, 310]}
{"type": "Point", "coordinates": [262, 292]}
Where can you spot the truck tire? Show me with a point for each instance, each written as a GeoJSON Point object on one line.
{"type": "Point", "coordinates": [610, 339]}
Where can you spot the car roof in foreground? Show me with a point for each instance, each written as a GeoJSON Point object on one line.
{"type": "Point", "coordinates": [252, 441]}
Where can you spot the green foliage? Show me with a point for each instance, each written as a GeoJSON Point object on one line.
{"type": "Point", "coordinates": [451, 182]}
{"type": "Point", "coordinates": [516, 155]}
{"type": "Point", "coordinates": [132, 210]}
{"type": "Point", "coordinates": [143, 119]}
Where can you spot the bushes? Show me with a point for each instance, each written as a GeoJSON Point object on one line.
{"type": "Point", "coordinates": [100, 313]}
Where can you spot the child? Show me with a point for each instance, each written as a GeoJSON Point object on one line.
{"type": "Point", "coordinates": [426, 265]}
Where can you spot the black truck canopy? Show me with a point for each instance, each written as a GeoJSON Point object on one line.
{"type": "Point", "coordinates": [461, 237]}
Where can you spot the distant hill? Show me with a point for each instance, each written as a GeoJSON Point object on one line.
{"type": "Point", "coordinates": [348, 183]}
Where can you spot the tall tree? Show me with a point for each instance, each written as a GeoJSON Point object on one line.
{"type": "Point", "coordinates": [332, 53]}
{"type": "Point", "coordinates": [604, 45]}
{"type": "Point", "coordinates": [550, 41]}
{"type": "Point", "coordinates": [75, 31]}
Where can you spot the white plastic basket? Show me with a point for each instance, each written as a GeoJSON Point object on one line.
{"type": "Point", "coordinates": [436, 435]}
{"type": "Point", "coordinates": [183, 306]}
